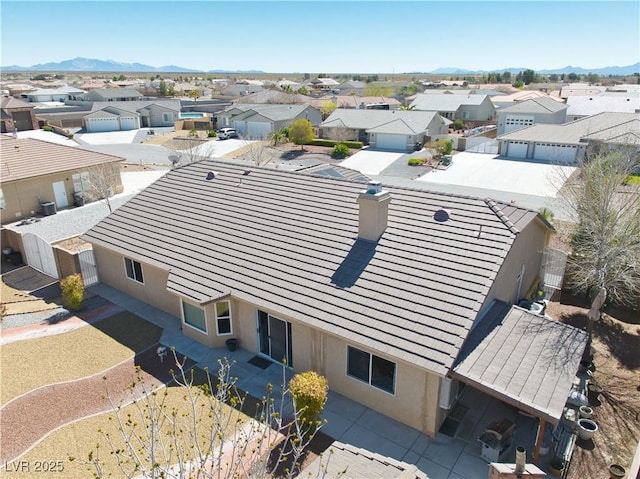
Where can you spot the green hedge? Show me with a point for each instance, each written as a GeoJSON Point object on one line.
{"type": "Point", "coordinates": [323, 142]}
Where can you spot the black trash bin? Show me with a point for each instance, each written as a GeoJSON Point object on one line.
{"type": "Point", "coordinates": [78, 198]}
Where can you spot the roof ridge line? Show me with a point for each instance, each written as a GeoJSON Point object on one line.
{"type": "Point", "coordinates": [493, 205]}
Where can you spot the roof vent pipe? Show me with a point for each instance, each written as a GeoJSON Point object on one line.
{"type": "Point", "coordinates": [373, 211]}
{"type": "Point", "coordinates": [521, 459]}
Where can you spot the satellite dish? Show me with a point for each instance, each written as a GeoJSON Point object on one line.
{"type": "Point", "coordinates": [211, 175]}
{"type": "Point", "coordinates": [174, 159]}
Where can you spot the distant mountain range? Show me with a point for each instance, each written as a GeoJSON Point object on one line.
{"type": "Point", "coordinates": [616, 70]}
{"type": "Point", "coordinates": [81, 64]}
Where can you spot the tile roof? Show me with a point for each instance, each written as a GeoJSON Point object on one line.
{"type": "Point", "coordinates": [289, 242]}
{"type": "Point", "coordinates": [271, 111]}
{"type": "Point", "coordinates": [367, 119]}
{"type": "Point", "coordinates": [536, 105]}
{"type": "Point", "coordinates": [350, 462]}
{"type": "Point", "coordinates": [114, 93]}
{"type": "Point", "coordinates": [572, 132]}
{"type": "Point", "coordinates": [524, 359]}
{"type": "Point", "coordinates": [135, 105]}
{"type": "Point", "coordinates": [446, 102]}
{"type": "Point", "coordinates": [24, 158]}
{"type": "Point", "coordinates": [9, 102]}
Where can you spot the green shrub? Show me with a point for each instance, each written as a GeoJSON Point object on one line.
{"type": "Point", "coordinates": [458, 124]}
{"type": "Point", "coordinates": [212, 134]}
{"type": "Point", "coordinates": [416, 161]}
{"type": "Point", "coordinates": [72, 291]}
{"type": "Point", "coordinates": [340, 151]}
{"type": "Point", "coordinates": [309, 391]}
{"type": "Point", "coordinates": [70, 135]}
{"type": "Point", "coordinates": [324, 142]}
{"type": "Point", "coordinates": [47, 128]}
{"type": "Point", "coordinates": [447, 147]}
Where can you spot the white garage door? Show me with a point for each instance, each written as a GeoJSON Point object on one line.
{"type": "Point", "coordinates": [258, 130]}
{"type": "Point", "coordinates": [517, 150]}
{"type": "Point", "coordinates": [555, 153]}
{"type": "Point", "coordinates": [95, 125]}
{"type": "Point", "coordinates": [241, 128]}
{"type": "Point", "coordinates": [128, 123]}
{"type": "Point", "coordinates": [391, 142]}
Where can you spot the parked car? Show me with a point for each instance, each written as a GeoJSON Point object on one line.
{"type": "Point", "coordinates": [224, 133]}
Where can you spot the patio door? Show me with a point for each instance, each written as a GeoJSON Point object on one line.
{"type": "Point", "coordinates": [274, 338]}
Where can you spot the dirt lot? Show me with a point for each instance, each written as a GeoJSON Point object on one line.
{"type": "Point", "coordinates": [616, 346]}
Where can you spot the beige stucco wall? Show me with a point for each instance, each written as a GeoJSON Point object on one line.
{"type": "Point", "coordinates": [22, 197]}
{"type": "Point", "coordinates": [111, 270]}
{"type": "Point", "coordinates": [414, 403]}
{"type": "Point", "coordinates": [527, 249]}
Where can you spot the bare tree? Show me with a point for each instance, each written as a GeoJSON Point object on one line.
{"type": "Point", "coordinates": [186, 149]}
{"type": "Point", "coordinates": [207, 436]}
{"type": "Point", "coordinates": [340, 134]}
{"type": "Point", "coordinates": [100, 182]}
{"type": "Point", "coordinates": [256, 152]}
{"type": "Point", "coordinates": [605, 240]}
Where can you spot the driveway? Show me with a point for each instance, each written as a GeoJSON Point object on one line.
{"type": "Point", "coordinates": [477, 170]}
{"type": "Point", "coordinates": [371, 162]}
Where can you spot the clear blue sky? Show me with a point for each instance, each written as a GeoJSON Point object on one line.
{"type": "Point", "coordinates": [324, 36]}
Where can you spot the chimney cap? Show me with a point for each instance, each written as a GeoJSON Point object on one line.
{"type": "Point", "coordinates": [374, 187]}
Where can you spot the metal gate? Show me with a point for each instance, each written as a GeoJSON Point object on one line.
{"type": "Point", "coordinates": [88, 267]}
{"type": "Point", "coordinates": [39, 254]}
{"type": "Point", "coordinates": [552, 269]}
{"type": "Point", "coordinates": [482, 145]}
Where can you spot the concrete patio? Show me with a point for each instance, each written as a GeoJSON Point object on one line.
{"type": "Point", "coordinates": [440, 457]}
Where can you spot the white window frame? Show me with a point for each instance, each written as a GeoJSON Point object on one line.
{"type": "Point", "coordinates": [371, 355]}
{"type": "Point", "coordinates": [133, 270]}
{"type": "Point", "coordinates": [3, 203]}
{"type": "Point", "coordinates": [167, 117]}
{"type": "Point", "coordinates": [223, 317]}
{"type": "Point", "coordinates": [184, 320]}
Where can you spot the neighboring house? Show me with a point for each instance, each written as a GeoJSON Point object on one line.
{"type": "Point", "coordinates": [322, 84]}
{"type": "Point", "coordinates": [288, 85]}
{"type": "Point", "coordinates": [241, 90]}
{"type": "Point", "coordinates": [503, 101]}
{"type": "Point", "coordinates": [36, 172]}
{"type": "Point", "coordinates": [256, 121]}
{"type": "Point", "coordinates": [60, 94]}
{"type": "Point", "coordinates": [375, 288]}
{"type": "Point", "coordinates": [112, 94]}
{"type": "Point", "coordinates": [131, 115]}
{"type": "Point", "coordinates": [351, 87]}
{"type": "Point", "coordinates": [582, 106]}
{"type": "Point", "coordinates": [362, 102]}
{"type": "Point", "coordinates": [581, 89]}
{"type": "Point", "coordinates": [383, 129]}
{"type": "Point", "coordinates": [531, 112]}
{"type": "Point", "coordinates": [273, 97]}
{"type": "Point", "coordinates": [568, 143]}
{"type": "Point", "coordinates": [16, 114]}
{"type": "Point", "coordinates": [457, 107]}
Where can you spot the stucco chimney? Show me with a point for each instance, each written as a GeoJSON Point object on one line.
{"type": "Point", "coordinates": [373, 206]}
